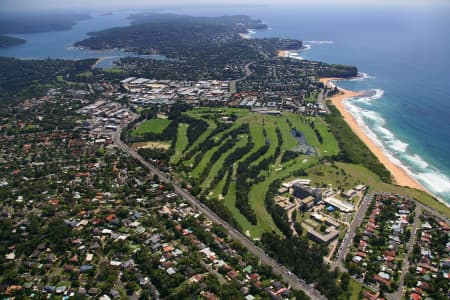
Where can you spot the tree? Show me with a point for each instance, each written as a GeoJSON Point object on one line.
{"type": "Point", "coordinates": [58, 232]}
{"type": "Point", "coordinates": [345, 280]}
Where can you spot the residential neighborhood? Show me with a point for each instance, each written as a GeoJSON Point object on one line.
{"type": "Point", "coordinates": [80, 218]}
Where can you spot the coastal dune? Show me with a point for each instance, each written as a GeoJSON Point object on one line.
{"type": "Point", "coordinates": [399, 175]}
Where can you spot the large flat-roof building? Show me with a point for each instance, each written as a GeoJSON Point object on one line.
{"type": "Point", "coordinates": [328, 236]}
{"type": "Point", "coordinates": [302, 192]}
{"type": "Point", "coordinates": [339, 204]}
{"type": "Point", "coordinates": [307, 203]}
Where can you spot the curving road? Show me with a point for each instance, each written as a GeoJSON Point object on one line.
{"type": "Point", "coordinates": [290, 278]}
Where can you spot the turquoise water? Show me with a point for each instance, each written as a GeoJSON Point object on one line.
{"type": "Point", "coordinates": [404, 52]}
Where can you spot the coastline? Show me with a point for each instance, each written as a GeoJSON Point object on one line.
{"type": "Point", "coordinates": [399, 175]}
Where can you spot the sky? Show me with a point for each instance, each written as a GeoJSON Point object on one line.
{"type": "Point", "coordinates": [43, 5]}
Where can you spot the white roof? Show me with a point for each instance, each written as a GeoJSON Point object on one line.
{"type": "Point", "coordinates": [140, 81]}
{"type": "Point", "coordinates": [341, 205]}
{"type": "Point", "coordinates": [128, 79]}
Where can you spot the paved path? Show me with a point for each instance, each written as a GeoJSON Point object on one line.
{"type": "Point", "coordinates": [350, 235]}
{"type": "Point", "coordinates": [322, 99]}
{"type": "Point", "coordinates": [290, 278]}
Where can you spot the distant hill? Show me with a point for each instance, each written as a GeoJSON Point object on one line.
{"type": "Point", "coordinates": [176, 36]}
{"type": "Point", "coordinates": [8, 41]}
{"type": "Point", "coordinates": [25, 23]}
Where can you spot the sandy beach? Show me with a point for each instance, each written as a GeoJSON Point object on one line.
{"type": "Point", "coordinates": [398, 174]}
{"type": "Point", "coordinates": [282, 53]}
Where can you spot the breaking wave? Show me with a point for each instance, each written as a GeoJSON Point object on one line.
{"type": "Point", "coordinates": [318, 42]}
{"type": "Point", "coordinates": [362, 76]}
{"type": "Point", "coordinates": [396, 150]}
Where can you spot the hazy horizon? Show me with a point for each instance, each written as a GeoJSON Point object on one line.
{"type": "Point", "coordinates": [30, 6]}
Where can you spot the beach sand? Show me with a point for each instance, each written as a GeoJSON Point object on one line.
{"type": "Point", "coordinates": [282, 53]}
{"type": "Point", "coordinates": [398, 174]}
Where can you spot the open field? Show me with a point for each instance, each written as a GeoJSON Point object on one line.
{"type": "Point", "coordinates": [261, 129]}
{"type": "Point", "coordinates": [152, 145]}
{"type": "Point", "coordinates": [257, 142]}
{"type": "Point", "coordinates": [114, 70]}
{"type": "Point", "coordinates": [182, 142]}
{"type": "Point", "coordinates": [150, 126]}
{"type": "Point", "coordinates": [346, 176]}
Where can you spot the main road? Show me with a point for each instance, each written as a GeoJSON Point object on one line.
{"type": "Point", "coordinates": [290, 278]}
{"type": "Point", "coordinates": [350, 235]}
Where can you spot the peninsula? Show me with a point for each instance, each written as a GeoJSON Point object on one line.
{"type": "Point", "coordinates": [9, 41]}
{"type": "Point", "coordinates": [219, 172]}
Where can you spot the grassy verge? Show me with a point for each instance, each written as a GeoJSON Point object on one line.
{"type": "Point", "coordinates": [181, 143]}
{"type": "Point", "coordinates": [258, 192]}
{"type": "Point", "coordinates": [352, 148]}
{"type": "Point", "coordinates": [247, 227]}
{"type": "Point", "coordinates": [346, 175]}
{"type": "Point", "coordinates": [150, 126]}
{"type": "Point", "coordinates": [219, 163]}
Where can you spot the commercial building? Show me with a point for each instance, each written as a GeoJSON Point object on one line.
{"type": "Point", "coordinates": [339, 204]}
{"type": "Point", "coordinates": [328, 236]}
{"type": "Point", "coordinates": [302, 192]}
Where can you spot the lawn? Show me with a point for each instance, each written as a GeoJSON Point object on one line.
{"type": "Point", "coordinates": [181, 143]}
{"type": "Point", "coordinates": [354, 288]}
{"type": "Point", "coordinates": [247, 227]}
{"type": "Point", "coordinates": [258, 192]}
{"type": "Point", "coordinates": [198, 169]}
{"type": "Point", "coordinates": [350, 175]}
{"type": "Point", "coordinates": [219, 163]}
{"type": "Point", "coordinates": [114, 70]}
{"type": "Point", "coordinates": [211, 126]}
{"type": "Point", "coordinates": [329, 144]}
{"type": "Point", "coordinates": [240, 112]}
{"type": "Point", "coordinates": [150, 126]}
{"type": "Point", "coordinates": [87, 74]}
{"type": "Point", "coordinates": [257, 124]}
{"type": "Point", "coordinates": [340, 175]}
{"type": "Point", "coordinates": [273, 140]}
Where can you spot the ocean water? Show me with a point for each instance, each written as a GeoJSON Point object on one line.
{"type": "Point", "coordinates": [403, 51]}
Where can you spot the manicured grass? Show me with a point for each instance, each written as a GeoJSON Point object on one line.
{"type": "Point", "coordinates": [181, 143]}
{"type": "Point", "coordinates": [257, 123]}
{"type": "Point", "coordinates": [87, 74]}
{"type": "Point", "coordinates": [289, 142]}
{"type": "Point", "coordinates": [114, 70]}
{"type": "Point", "coordinates": [220, 137]}
{"type": "Point", "coordinates": [230, 203]}
{"type": "Point", "coordinates": [217, 190]}
{"type": "Point", "coordinates": [240, 112]}
{"type": "Point", "coordinates": [273, 139]}
{"type": "Point", "coordinates": [341, 175]}
{"type": "Point", "coordinates": [258, 192]}
{"type": "Point", "coordinates": [150, 126]}
{"type": "Point", "coordinates": [257, 136]}
{"type": "Point", "coordinates": [198, 169]}
{"type": "Point", "coordinates": [355, 174]}
{"type": "Point", "coordinates": [211, 126]}
{"type": "Point", "coordinates": [329, 144]}
{"type": "Point", "coordinates": [219, 163]}
{"type": "Point", "coordinates": [355, 288]}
